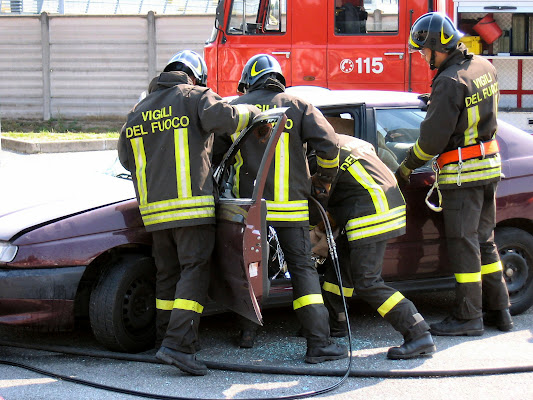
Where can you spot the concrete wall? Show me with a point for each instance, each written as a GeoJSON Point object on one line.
{"type": "Point", "coordinates": [87, 66]}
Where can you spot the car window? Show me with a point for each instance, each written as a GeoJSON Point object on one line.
{"type": "Point", "coordinates": [397, 131]}
{"type": "Point", "coordinates": [252, 18]}
{"type": "Point", "coordinates": [355, 17]}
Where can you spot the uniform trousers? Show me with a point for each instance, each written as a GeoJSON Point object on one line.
{"type": "Point", "coordinates": [469, 221]}
{"type": "Point", "coordinates": [182, 260]}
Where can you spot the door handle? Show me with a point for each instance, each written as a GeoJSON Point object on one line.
{"type": "Point", "coordinates": [399, 54]}
{"type": "Point", "coordinates": [287, 54]}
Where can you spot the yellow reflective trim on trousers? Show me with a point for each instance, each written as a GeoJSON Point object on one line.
{"type": "Point", "coordinates": [335, 289]}
{"type": "Point", "coordinates": [244, 117]}
{"type": "Point", "coordinates": [192, 202]}
{"type": "Point", "coordinates": [471, 133]}
{"type": "Point", "coordinates": [307, 301]}
{"type": "Point", "coordinates": [189, 305]}
{"type": "Point", "coordinates": [137, 146]}
{"type": "Point", "coordinates": [166, 305]}
{"type": "Point", "coordinates": [281, 169]}
{"type": "Point", "coordinates": [468, 277]}
{"type": "Point", "coordinates": [390, 303]}
{"type": "Point", "coordinates": [491, 268]}
{"type": "Point", "coordinates": [367, 182]}
{"type": "Point", "coordinates": [421, 154]}
{"type": "Point", "coordinates": [183, 168]}
{"type": "Point", "coordinates": [324, 163]}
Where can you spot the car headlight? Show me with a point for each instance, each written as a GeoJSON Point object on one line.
{"type": "Point", "coordinates": [7, 251]}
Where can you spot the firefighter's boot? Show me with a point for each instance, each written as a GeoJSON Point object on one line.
{"type": "Point", "coordinates": [247, 338]}
{"type": "Point", "coordinates": [184, 361]}
{"type": "Point", "coordinates": [327, 352]}
{"type": "Point", "coordinates": [422, 345]}
{"type": "Point", "coordinates": [452, 326]}
{"type": "Point", "coordinates": [499, 318]}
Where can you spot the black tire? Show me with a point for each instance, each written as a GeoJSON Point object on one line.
{"type": "Point", "coordinates": [122, 305]}
{"type": "Point", "coordinates": [516, 252]}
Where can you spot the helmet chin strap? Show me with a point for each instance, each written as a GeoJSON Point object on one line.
{"type": "Point", "coordinates": [432, 60]}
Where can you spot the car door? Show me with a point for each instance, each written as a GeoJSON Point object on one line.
{"type": "Point", "coordinates": [239, 273]}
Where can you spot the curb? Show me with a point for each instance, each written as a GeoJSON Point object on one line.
{"type": "Point", "coordinates": [63, 146]}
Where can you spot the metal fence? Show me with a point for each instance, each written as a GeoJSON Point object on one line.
{"type": "Point", "coordinates": [110, 7]}
{"type": "Point", "coordinates": [70, 66]}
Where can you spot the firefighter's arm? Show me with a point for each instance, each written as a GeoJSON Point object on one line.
{"type": "Point", "coordinates": [320, 135]}
{"type": "Point", "coordinates": [220, 117]}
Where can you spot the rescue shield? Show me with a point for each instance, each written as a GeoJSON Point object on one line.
{"type": "Point", "coordinates": [239, 274]}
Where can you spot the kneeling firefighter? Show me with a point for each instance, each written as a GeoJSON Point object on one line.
{"type": "Point", "coordinates": [166, 143]}
{"type": "Point", "coordinates": [369, 208]}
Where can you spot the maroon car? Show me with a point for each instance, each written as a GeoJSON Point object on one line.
{"type": "Point", "coordinates": [82, 257]}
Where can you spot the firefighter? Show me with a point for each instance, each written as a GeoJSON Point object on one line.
{"type": "Point", "coordinates": [166, 143]}
{"type": "Point", "coordinates": [460, 130]}
{"type": "Point", "coordinates": [368, 207]}
{"type": "Point", "coordinates": [287, 189]}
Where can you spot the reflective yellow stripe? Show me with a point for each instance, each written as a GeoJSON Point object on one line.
{"type": "Point", "coordinates": [183, 169]}
{"type": "Point", "coordinates": [179, 215]}
{"type": "Point", "coordinates": [244, 117]}
{"type": "Point", "coordinates": [376, 224]}
{"type": "Point", "coordinates": [295, 210]}
{"type": "Point", "coordinates": [189, 305]}
{"type": "Point", "coordinates": [281, 173]}
{"type": "Point", "coordinates": [237, 165]}
{"type": "Point", "coordinates": [163, 205]}
{"type": "Point", "coordinates": [421, 154]}
{"type": "Point", "coordinates": [166, 305]}
{"type": "Point", "coordinates": [471, 133]}
{"type": "Point", "coordinates": [137, 146]}
{"type": "Point", "coordinates": [473, 170]}
{"type": "Point", "coordinates": [374, 190]}
{"type": "Point", "coordinates": [307, 300]}
{"type": "Point", "coordinates": [468, 277]}
{"type": "Point", "coordinates": [390, 303]}
{"type": "Point", "coordinates": [335, 289]}
{"type": "Point", "coordinates": [323, 163]}
{"type": "Point", "coordinates": [490, 268]}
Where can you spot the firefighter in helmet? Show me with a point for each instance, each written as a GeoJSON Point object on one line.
{"type": "Point", "coordinates": [166, 143]}
{"type": "Point", "coordinates": [460, 131]}
{"type": "Point", "coordinates": [287, 189]}
{"type": "Point", "coordinates": [368, 207]}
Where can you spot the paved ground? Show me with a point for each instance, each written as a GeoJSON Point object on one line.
{"type": "Point", "coordinates": [277, 345]}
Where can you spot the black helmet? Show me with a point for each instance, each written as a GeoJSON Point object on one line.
{"type": "Point", "coordinates": [192, 61]}
{"type": "Point", "coordinates": [256, 67]}
{"type": "Point", "coordinates": [434, 31]}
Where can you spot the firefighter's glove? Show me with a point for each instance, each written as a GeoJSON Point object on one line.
{"type": "Point", "coordinates": [321, 185]}
{"type": "Point", "coordinates": [403, 174]}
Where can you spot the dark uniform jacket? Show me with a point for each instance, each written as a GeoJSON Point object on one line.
{"type": "Point", "coordinates": [167, 142]}
{"type": "Point", "coordinates": [462, 112]}
{"type": "Point", "coordinates": [288, 184]}
{"type": "Point", "coordinates": [365, 198]}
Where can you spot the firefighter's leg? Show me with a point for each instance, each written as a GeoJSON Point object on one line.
{"type": "Point", "coordinates": [331, 290]}
{"type": "Point", "coordinates": [308, 302]}
{"type": "Point", "coordinates": [366, 265]}
{"type": "Point", "coordinates": [165, 254]}
{"type": "Point", "coordinates": [195, 245]}
{"type": "Point", "coordinates": [461, 211]}
{"type": "Point", "coordinates": [495, 293]}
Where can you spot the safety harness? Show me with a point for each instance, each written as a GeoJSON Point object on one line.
{"type": "Point", "coordinates": [458, 155]}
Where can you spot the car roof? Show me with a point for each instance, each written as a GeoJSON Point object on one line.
{"type": "Point", "coordinates": [322, 97]}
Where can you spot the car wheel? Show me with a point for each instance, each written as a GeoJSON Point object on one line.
{"type": "Point", "coordinates": [122, 305]}
{"type": "Point", "coordinates": [516, 252]}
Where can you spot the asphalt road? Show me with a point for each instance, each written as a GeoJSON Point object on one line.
{"type": "Point", "coordinates": [277, 345]}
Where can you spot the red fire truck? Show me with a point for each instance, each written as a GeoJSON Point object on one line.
{"type": "Point", "coordinates": [339, 44]}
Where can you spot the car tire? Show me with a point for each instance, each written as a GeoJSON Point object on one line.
{"type": "Point", "coordinates": [516, 252]}
{"type": "Point", "coordinates": [122, 305]}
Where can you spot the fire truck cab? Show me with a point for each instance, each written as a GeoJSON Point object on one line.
{"type": "Point", "coordinates": [339, 44]}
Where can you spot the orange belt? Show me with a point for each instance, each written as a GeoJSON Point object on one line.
{"type": "Point", "coordinates": [466, 153]}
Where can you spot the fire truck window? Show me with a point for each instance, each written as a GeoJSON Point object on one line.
{"type": "Point", "coordinates": [255, 17]}
{"type": "Point", "coordinates": [356, 17]}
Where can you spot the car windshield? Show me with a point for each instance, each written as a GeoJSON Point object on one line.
{"type": "Point", "coordinates": [399, 128]}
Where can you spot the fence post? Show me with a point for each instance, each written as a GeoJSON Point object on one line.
{"type": "Point", "coordinates": [152, 46]}
{"type": "Point", "coordinates": [45, 46]}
